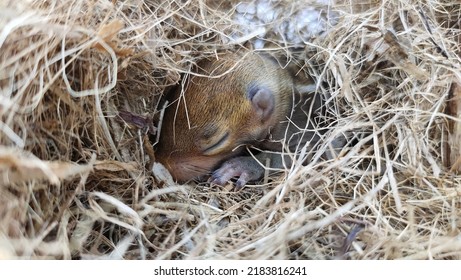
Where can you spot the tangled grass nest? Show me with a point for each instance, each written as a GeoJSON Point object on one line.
{"type": "Point", "coordinates": [76, 181]}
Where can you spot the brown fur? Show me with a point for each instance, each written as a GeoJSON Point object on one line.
{"type": "Point", "coordinates": [210, 107]}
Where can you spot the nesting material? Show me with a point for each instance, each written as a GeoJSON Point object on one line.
{"type": "Point", "coordinates": [78, 181]}
{"type": "Point", "coordinates": [264, 21]}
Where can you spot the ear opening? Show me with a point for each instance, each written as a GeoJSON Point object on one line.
{"type": "Point", "coordinates": [263, 101]}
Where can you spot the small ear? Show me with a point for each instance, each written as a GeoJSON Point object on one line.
{"type": "Point", "coordinates": [263, 101]}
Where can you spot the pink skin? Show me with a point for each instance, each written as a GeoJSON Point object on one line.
{"type": "Point", "coordinates": [184, 168]}
{"type": "Point", "coordinates": [240, 167]}
{"type": "Point", "coordinates": [245, 168]}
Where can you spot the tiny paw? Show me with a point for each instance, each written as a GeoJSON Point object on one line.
{"type": "Point", "coordinates": [245, 168]}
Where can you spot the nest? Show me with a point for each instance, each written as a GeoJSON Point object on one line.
{"type": "Point", "coordinates": [77, 182]}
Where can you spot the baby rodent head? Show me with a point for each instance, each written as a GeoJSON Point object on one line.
{"type": "Point", "coordinates": [233, 101]}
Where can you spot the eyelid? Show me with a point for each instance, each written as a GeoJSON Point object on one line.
{"type": "Point", "coordinates": [217, 146]}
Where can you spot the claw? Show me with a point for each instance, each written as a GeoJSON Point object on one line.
{"type": "Point", "coordinates": [243, 168]}
{"type": "Point", "coordinates": [242, 181]}
{"type": "Point", "coordinates": [222, 175]}
{"type": "Point", "coordinates": [217, 181]}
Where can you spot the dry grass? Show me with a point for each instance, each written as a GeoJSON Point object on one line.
{"type": "Point", "coordinates": [76, 181]}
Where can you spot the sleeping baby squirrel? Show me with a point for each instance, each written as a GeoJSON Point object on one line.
{"type": "Point", "coordinates": [250, 115]}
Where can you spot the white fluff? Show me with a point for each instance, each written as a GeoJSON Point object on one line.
{"type": "Point", "coordinates": [299, 26]}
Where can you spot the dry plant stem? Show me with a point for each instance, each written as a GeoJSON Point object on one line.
{"type": "Point", "coordinates": [76, 182]}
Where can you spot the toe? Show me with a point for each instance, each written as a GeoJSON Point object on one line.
{"type": "Point", "coordinates": [222, 175]}
{"type": "Point", "coordinates": [242, 181]}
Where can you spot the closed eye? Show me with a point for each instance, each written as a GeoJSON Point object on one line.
{"type": "Point", "coordinates": [217, 146]}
